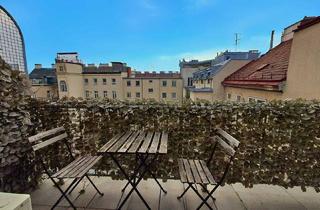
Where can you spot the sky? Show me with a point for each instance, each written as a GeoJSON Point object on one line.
{"type": "Point", "coordinates": [151, 35]}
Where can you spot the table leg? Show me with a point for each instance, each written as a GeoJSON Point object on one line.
{"type": "Point", "coordinates": [134, 185]}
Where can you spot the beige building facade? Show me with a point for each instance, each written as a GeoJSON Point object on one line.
{"type": "Point", "coordinates": [115, 81]}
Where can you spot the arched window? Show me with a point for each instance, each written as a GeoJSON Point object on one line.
{"type": "Point", "coordinates": [63, 86]}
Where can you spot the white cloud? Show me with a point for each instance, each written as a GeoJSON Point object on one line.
{"type": "Point", "coordinates": [199, 55]}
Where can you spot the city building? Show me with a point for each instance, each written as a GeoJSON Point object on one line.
{"type": "Point", "coordinates": [288, 71]}
{"type": "Point", "coordinates": [163, 86]}
{"type": "Point", "coordinates": [114, 81]}
{"type": "Point", "coordinates": [187, 68]}
{"type": "Point", "coordinates": [12, 48]}
{"type": "Point", "coordinates": [207, 82]}
{"type": "Point", "coordinates": [44, 82]}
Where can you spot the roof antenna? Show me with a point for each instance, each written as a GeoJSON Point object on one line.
{"type": "Point", "coordinates": [237, 41]}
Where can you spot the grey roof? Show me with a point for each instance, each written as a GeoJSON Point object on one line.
{"type": "Point", "coordinates": [209, 72]}
{"type": "Point", "coordinates": [116, 67]}
{"type": "Point", "coordinates": [195, 63]}
{"type": "Point", "coordinates": [43, 73]}
{"type": "Point", "coordinates": [221, 60]}
{"type": "Point", "coordinates": [104, 69]}
{"type": "Point", "coordinates": [210, 90]}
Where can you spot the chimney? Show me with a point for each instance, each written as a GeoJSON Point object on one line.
{"type": "Point", "coordinates": [271, 39]}
{"type": "Point", "coordinates": [37, 66]}
{"type": "Point", "coordinates": [129, 71]}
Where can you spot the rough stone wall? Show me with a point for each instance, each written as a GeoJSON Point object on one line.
{"type": "Point", "coordinates": [278, 144]}
{"type": "Point", "coordinates": [16, 173]}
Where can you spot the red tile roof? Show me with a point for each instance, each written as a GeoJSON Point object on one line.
{"type": "Point", "coordinates": [307, 22]}
{"type": "Point", "coordinates": [267, 72]}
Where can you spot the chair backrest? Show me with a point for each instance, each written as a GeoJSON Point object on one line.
{"type": "Point", "coordinates": [229, 145]}
{"type": "Point", "coordinates": [227, 142]}
{"type": "Point", "coordinates": [46, 138]}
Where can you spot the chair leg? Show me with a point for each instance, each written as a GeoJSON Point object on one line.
{"type": "Point", "coordinates": [63, 193]}
{"type": "Point", "coordinates": [184, 192]}
{"type": "Point", "coordinates": [200, 196]}
{"type": "Point", "coordinates": [100, 193]}
{"type": "Point", "coordinates": [208, 196]}
{"type": "Point", "coordinates": [204, 188]}
{"type": "Point", "coordinates": [74, 187]}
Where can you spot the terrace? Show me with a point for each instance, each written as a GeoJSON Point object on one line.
{"type": "Point", "coordinates": [278, 149]}
{"type": "Point", "coordinates": [234, 196]}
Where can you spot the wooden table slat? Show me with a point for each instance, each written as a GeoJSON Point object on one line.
{"type": "Point", "coordinates": [164, 143]}
{"type": "Point", "coordinates": [110, 143]}
{"type": "Point", "coordinates": [128, 143]}
{"type": "Point", "coordinates": [183, 175]}
{"type": "Point", "coordinates": [145, 145]}
{"type": "Point", "coordinates": [119, 143]}
{"type": "Point", "coordinates": [201, 172]}
{"type": "Point", "coordinates": [155, 143]}
{"type": "Point", "coordinates": [195, 172]}
{"type": "Point", "coordinates": [188, 171]}
{"type": "Point", "coordinates": [136, 144]}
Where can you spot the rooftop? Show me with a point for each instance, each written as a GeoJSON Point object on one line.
{"type": "Point", "coordinates": [221, 60]}
{"type": "Point", "coordinates": [115, 67]}
{"type": "Point", "coordinates": [267, 72]}
{"type": "Point", "coordinates": [44, 74]}
{"type": "Point", "coordinates": [156, 75]}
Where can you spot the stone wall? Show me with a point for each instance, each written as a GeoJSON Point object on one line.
{"type": "Point", "coordinates": [16, 170]}
{"type": "Point", "coordinates": [278, 144]}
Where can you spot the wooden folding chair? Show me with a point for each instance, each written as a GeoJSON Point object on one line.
{"type": "Point", "coordinates": [193, 172]}
{"type": "Point", "coordinates": [76, 170]}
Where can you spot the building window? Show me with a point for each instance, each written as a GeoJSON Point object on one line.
{"type": "Point", "coordinates": [174, 95]}
{"type": "Point", "coordinates": [129, 83]}
{"type": "Point", "coordinates": [87, 93]}
{"type": "Point", "coordinates": [113, 81]}
{"type": "Point", "coordinates": [150, 81]}
{"type": "Point", "coordinates": [105, 94]}
{"type": "Point", "coordinates": [128, 94]}
{"type": "Point", "coordinates": [95, 81]}
{"type": "Point", "coordinates": [137, 83]}
{"type": "Point", "coordinates": [238, 98]}
{"type": "Point", "coordinates": [114, 94]}
{"type": "Point", "coordinates": [60, 68]}
{"type": "Point", "coordinates": [164, 95]}
{"type": "Point", "coordinates": [48, 94]}
{"type": "Point", "coordinates": [150, 90]}
{"type": "Point", "coordinates": [63, 86]}
{"type": "Point", "coordinates": [174, 83]}
{"type": "Point", "coordinates": [190, 82]}
{"type": "Point", "coordinates": [137, 94]}
{"type": "Point", "coordinates": [208, 81]}
{"type": "Point", "coordinates": [229, 96]}
{"type": "Point", "coordinates": [164, 83]}
{"type": "Point", "coordinates": [104, 81]}
{"type": "Point", "coordinates": [96, 94]}
{"type": "Point", "coordinates": [86, 81]}
{"type": "Point", "coordinates": [201, 81]}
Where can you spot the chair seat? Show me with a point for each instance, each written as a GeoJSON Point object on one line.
{"type": "Point", "coordinates": [195, 171]}
{"type": "Point", "coordinates": [77, 168]}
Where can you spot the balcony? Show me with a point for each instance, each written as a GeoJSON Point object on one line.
{"type": "Point", "coordinates": [234, 196]}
